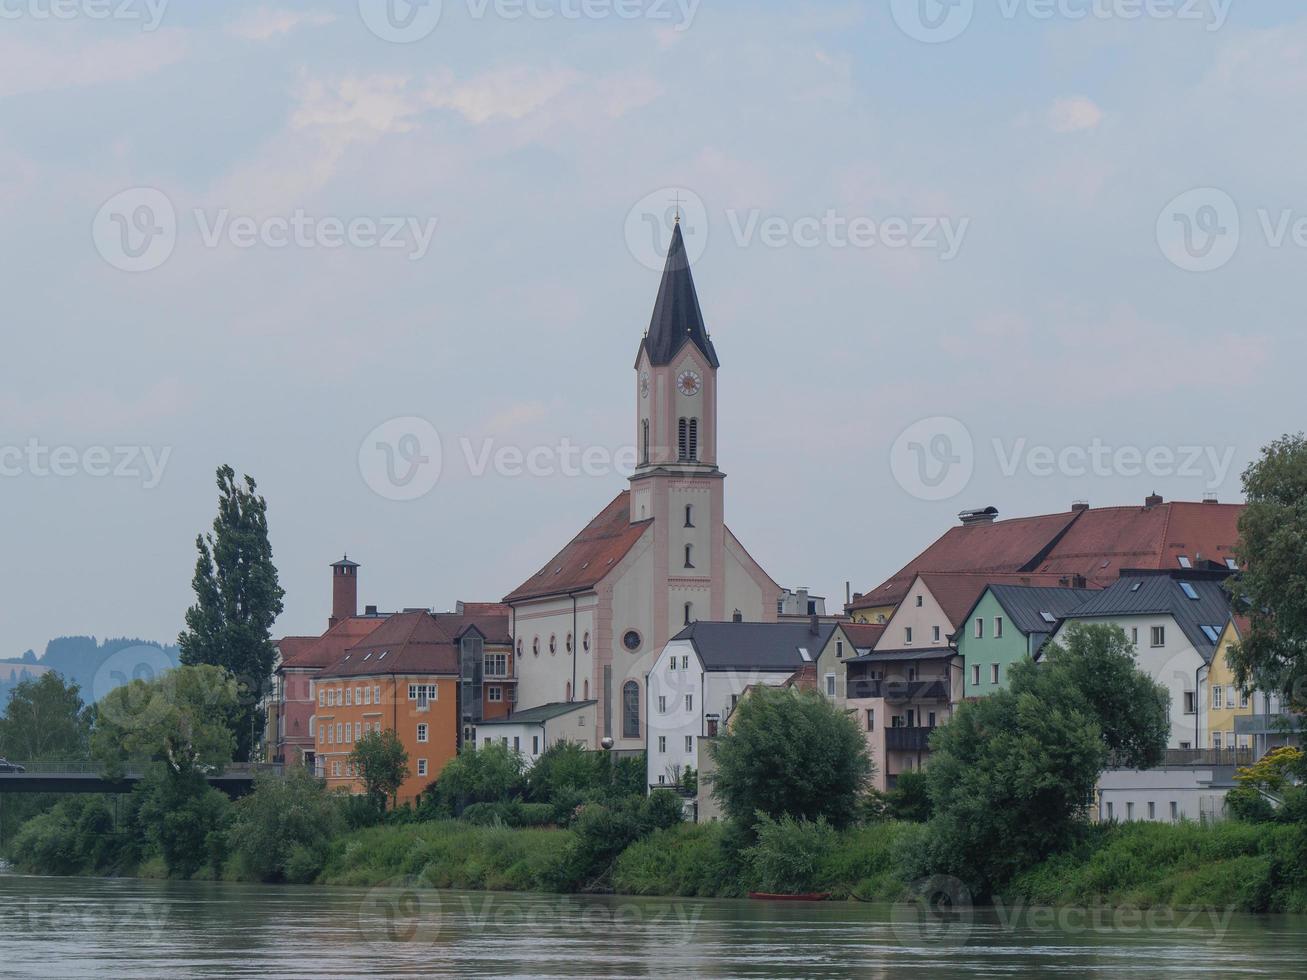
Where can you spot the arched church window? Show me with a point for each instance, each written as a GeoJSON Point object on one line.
{"type": "Point", "coordinates": [587, 690]}
{"type": "Point", "coordinates": [585, 641]}
{"type": "Point", "coordinates": [644, 443]}
{"type": "Point", "coordinates": [689, 613]}
{"type": "Point", "coordinates": [569, 642]}
{"type": "Point", "coordinates": [683, 439]}
{"type": "Point", "coordinates": [689, 515]}
{"type": "Point", "coordinates": [535, 646]}
{"type": "Point", "coordinates": [630, 710]}
{"type": "Point", "coordinates": [689, 554]}
{"type": "Point", "coordinates": [569, 691]}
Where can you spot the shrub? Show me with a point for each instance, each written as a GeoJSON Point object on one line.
{"type": "Point", "coordinates": [789, 852]}
{"type": "Point", "coordinates": [284, 817]}
{"type": "Point", "coordinates": [688, 860]}
{"type": "Point", "coordinates": [492, 774]}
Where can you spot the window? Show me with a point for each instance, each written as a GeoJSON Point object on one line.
{"type": "Point", "coordinates": [517, 744]}
{"type": "Point", "coordinates": [585, 641]}
{"type": "Point", "coordinates": [662, 704]}
{"type": "Point", "coordinates": [980, 629]}
{"type": "Point", "coordinates": [993, 673]}
{"type": "Point", "coordinates": [918, 602]}
{"type": "Point", "coordinates": [1243, 699]}
{"type": "Point", "coordinates": [331, 736]}
{"type": "Point", "coordinates": [1189, 591]}
{"type": "Point", "coordinates": [367, 695]}
{"type": "Point", "coordinates": [567, 691]}
{"type": "Point", "coordinates": [839, 649]}
{"type": "Point", "coordinates": [1212, 633]}
{"type": "Point", "coordinates": [630, 710]}
{"type": "Point", "coordinates": [1152, 810]}
{"type": "Point", "coordinates": [912, 673]}
{"type": "Point", "coordinates": [412, 692]}
{"type": "Point", "coordinates": [871, 719]}
{"type": "Point", "coordinates": [685, 662]}
{"type": "Point", "coordinates": [535, 646]}
{"type": "Point", "coordinates": [1217, 694]}
{"type": "Point", "coordinates": [673, 664]}
{"type": "Point", "coordinates": [322, 699]}
{"type": "Point", "coordinates": [535, 744]}
{"type": "Point", "coordinates": [422, 733]}
{"type": "Point", "coordinates": [830, 685]}
{"type": "Point", "coordinates": [934, 635]}
{"type": "Point", "coordinates": [1190, 703]}
{"type": "Point", "coordinates": [662, 743]}
{"type": "Point", "coordinates": [1159, 636]}
{"type": "Point", "coordinates": [496, 665]}
{"type": "Point", "coordinates": [1216, 740]}
{"type": "Point", "coordinates": [340, 734]}
{"type": "Point", "coordinates": [907, 634]}
{"type": "Point", "coordinates": [1134, 635]}
{"type": "Point", "coordinates": [1110, 815]}
{"type": "Point", "coordinates": [1129, 811]}
{"type": "Point", "coordinates": [567, 644]}
{"type": "Point", "coordinates": [998, 627]}
{"type": "Point", "coordinates": [694, 439]}
{"type": "Point", "coordinates": [1185, 562]}
{"type": "Point", "coordinates": [335, 769]}
{"type": "Point", "coordinates": [689, 702]}
{"type": "Point", "coordinates": [519, 646]}
{"type": "Point", "coordinates": [689, 743]}
{"type": "Point", "coordinates": [712, 727]}
{"type": "Point", "coordinates": [689, 554]}
{"type": "Point", "coordinates": [689, 613]}
{"type": "Point", "coordinates": [975, 675]}
{"type": "Point", "coordinates": [349, 697]}
{"type": "Point", "coordinates": [553, 643]}
{"type": "Point", "coordinates": [422, 767]}
{"type": "Point", "coordinates": [644, 440]}
{"type": "Point", "coordinates": [631, 640]}
{"type": "Point", "coordinates": [494, 694]}
{"type": "Point", "coordinates": [689, 515]}
{"type": "Point", "coordinates": [376, 694]}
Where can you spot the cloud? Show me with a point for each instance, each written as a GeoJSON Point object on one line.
{"type": "Point", "coordinates": [264, 24]}
{"type": "Point", "coordinates": [72, 62]}
{"type": "Point", "coordinates": [1074, 115]}
{"type": "Point", "coordinates": [511, 93]}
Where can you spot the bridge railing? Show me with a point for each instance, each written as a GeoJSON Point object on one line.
{"type": "Point", "coordinates": [235, 769]}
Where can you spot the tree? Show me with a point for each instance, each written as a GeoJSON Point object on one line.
{"type": "Point", "coordinates": [1272, 588]}
{"type": "Point", "coordinates": [178, 719]}
{"type": "Point", "coordinates": [282, 830]}
{"type": "Point", "coordinates": [44, 721]}
{"type": "Point", "coordinates": [790, 753]}
{"type": "Point", "coordinates": [492, 774]}
{"type": "Point", "coordinates": [238, 599]}
{"type": "Point", "coordinates": [382, 763]}
{"type": "Point", "coordinates": [1012, 775]}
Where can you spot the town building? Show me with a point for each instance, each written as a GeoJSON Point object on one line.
{"type": "Point", "coordinates": [800, 603]}
{"type": "Point", "coordinates": [703, 672]}
{"type": "Point", "coordinates": [533, 730]}
{"type": "Point", "coordinates": [1252, 720]}
{"type": "Point", "coordinates": [1085, 547]}
{"type": "Point", "coordinates": [1175, 620]}
{"type": "Point", "coordinates": [1009, 624]}
{"type": "Point", "coordinates": [591, 622]}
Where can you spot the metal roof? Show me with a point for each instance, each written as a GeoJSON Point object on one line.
{"type": "Point", "coordinates": [1164, 595]}
{"type": "Point", "coordinates": [758, 646]}
{"type": "Point", "coordinates": [538, 715]}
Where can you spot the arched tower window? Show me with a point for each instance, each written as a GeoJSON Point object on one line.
{"type": "Point", "coordinates": [689, 515]}
{"type": "Point", "coordinates": [644, 441]}
{"type": "Point", "coordinates": [587, 690]}
{"type": "Point", "coordinates": [569, 691]}
{"type": "Point", "coordinates": [630, 710]}
{"type": "Point", "coordinates": [683, 439]}
{"type": "Point", "coordinates": [694, 440]}
{"type": "Point", "coordinates": [689, 613]}
{"type": "Point", "coordinates": [689, 554]}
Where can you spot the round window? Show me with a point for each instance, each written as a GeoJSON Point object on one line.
{"type": "Point", "coordinates": [569, 642]}
{"type": "Point", "coordinates": [519, 646]}
{"type": "Point", "coordinates": [535, 646]}
{"type": "Point", "coordinates": [585, 640]}
{"type": "Point", "coordinates": [631, 640]}
{"type": "Point", "coordinates": [553, 644]}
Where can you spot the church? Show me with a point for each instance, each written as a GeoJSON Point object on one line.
{"type": "Point", "coordinates": [589, 626]}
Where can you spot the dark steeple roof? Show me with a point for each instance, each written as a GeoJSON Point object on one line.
{"type": "Point", "coordinates": [676, 316]}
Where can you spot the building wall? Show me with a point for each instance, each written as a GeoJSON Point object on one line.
{"type": "Point", "coordinates": [1233, 702]}
{"type": "Point", "coordinates": [832, 666]}
{"type": "Point", "coordinates": [1176, 793]}
{"type": "Point", "coordinates": [292, 733]}
{"type": "Point", "coordinates": [929, 625]}
{"type": "Point", "coordinates": [890, 763]}
{"type": "Point", "coordinates": [986, 651]}
{"type": "Point", "coordinates": [545, 677]}
{"type": "Point", "coordinates": [873, 614]}
{"type": "Point", "coordinates": [397, 712]}
{"type": "Point", "coordinates": [1174, 665]}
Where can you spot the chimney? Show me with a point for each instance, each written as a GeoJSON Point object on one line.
{"type": "Point", "coordinates": [1211, 498]}
{"type": "Point", "coordinates": [344, 591]}
{"type": "Point", "coordinates": [814, 625]}
{"type": "Point", "coordinates": [1078, 581]}
{"type": "Point", "coordinates": [737, 617]}
{"type": "Point", "coordinates": [1154, 499]}
{"type": "Point", "coordinates": [1079, 505]}
{"type": "Point", "coordinates": [985, 515]}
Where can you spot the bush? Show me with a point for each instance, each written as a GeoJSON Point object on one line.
{"type": "Point", "coordinates": [186, 819]}
{"type": "Point", "coordinates": [284, 818]}
{"type": "Point", "coordinates": [661, 809]}
{"type": "Point", "coordinates": [909, 799]}
{"type": "Point", "coordinates": [688, 860]}
{"type": "Point", "coordinates": [74, 837]}
{"type": "Point", "coordinates": [492, 774]}
{"type": "Point", "coordinates": [789, 853]}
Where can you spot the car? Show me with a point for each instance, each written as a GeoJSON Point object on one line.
{"type": "Point", "coordinates": [10, 767]}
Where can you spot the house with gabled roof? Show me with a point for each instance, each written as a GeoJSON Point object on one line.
{"type": "Point", "coordinates": [591, 622]}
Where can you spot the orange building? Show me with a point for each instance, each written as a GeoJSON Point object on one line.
{"type": "Point", "coordinates": [428, 677]}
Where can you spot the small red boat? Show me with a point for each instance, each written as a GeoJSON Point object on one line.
{"type": "Point", "coordinates": [772, 897]}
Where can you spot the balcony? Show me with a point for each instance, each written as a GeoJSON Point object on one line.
{"type": "Point", "coordinates": [900, 692]}
{"type": "Point", "coordinates": [1267, 724]}
{"type": "Point", "coordinates": [907, 739]}
{"type": "Point", "coordinates": [1197, 757]}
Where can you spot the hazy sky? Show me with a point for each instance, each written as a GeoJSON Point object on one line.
{"type": "Point", "coordinates": [1069, 235]}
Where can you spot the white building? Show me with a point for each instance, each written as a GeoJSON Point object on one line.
{"type": "Point", "coordinates": [702, 673]}
{"type": "Point", "coordinates": [1175, 621]}
{"type": "Point", "coordinates": [530, 732]}
{"type": "Point", "coordinates": [1167, 794]}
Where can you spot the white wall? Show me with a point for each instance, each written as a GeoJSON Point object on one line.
{"type": "Point", "coordinates": [923, 620]}
{"type": "Point", "coordinates": [1186, 787]}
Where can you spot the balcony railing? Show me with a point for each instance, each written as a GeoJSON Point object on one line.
{"type": "Point", "coordinates": [1267, 724]}
{"type": "Point", "coordinates": [1197, 757]}
{"type": "Point", "coordinates": [899, 691]}
{"type": "Point", "coordinates": [908, 739]}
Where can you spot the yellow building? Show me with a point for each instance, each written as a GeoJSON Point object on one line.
{"type": "Point", "coordinates": [1225, 701]}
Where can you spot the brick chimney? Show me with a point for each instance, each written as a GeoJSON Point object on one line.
{"type": "Point", "coordinates": [984, 515]}
{"type": "Point", "coordinates": [344, 591]}
{"type": "Point", "coordinates": [1154, 499]}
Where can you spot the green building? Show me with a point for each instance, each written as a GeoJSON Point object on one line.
{"type": "Point", "coordinates": [1008, 623]}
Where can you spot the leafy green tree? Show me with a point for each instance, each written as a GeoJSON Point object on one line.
{"type": "Point", "coordinates": [1012, 775]}
{"type": "Point", "coordinates": [185, 818]}
{"type": "Point", "coordinates": [281, 831]}
{"type": "Point", "coordinates": [238, 599]}
{"type": "Point", "coordinates": [382, 763]}
{"type": "Point", "coordinates": [791, 753]}
{"type": "Point", "coordinates": [1272, 589]}
{"type": "Point", "coordinates": [492, 774]}
{"type": "Point", "coordinates": [909, 799]}
{"type": "Point", "coordinates": [178, 719]}
{"type": "Point", "coordinates": [787, 857]}
{"type": "Point", "coordinates": [45, 721]}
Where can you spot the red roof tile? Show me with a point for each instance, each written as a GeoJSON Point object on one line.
{"type": "Point", "coordinates": [863, 635]}
{"type": "Point", "coordinates": [405, 643]}
{"type": "Point", "coordinates": [957, 592]}
{"type": "Point", "coordinates": [331, 645]}
{"type": "Point", "coordinates": [589, 556]}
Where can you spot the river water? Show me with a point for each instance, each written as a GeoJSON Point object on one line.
{"type": "Point", "coordinates": [75, 928]}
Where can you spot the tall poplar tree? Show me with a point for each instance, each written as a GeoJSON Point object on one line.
{"type": "Point", "coordinates": [238, 598]}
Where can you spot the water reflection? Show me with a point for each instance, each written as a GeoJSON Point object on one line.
{"type": "Point", "coordinates": [75, 928]}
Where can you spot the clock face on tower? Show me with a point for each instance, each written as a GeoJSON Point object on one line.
{"type": "Point", "coordinates": [689, 383]}
{"type": "Point", "coordinates": [644, 385]}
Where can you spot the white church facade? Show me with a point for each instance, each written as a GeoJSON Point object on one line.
{"type": "Point", "coordinates": [591, 623]}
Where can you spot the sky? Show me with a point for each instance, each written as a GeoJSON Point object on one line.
{"type": "Point", "coordinates": [394, 261]}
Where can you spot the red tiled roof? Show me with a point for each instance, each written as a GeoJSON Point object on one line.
{"type": "Point", "coordinates": [292, 646]}
{"type": "Point", "coordinates": [589, 556]}
{"type": "Point", "coordinates": [1094, 542]}
{"type": "Point", "coordinates": [491, 618]}
{"type": "Point", "coordinates": [957, 592]}
{"type": "Point", "coordinates": [326, 649]}
{"type": "Point", "coordinates": [863, 635]}
{"type": "Point", "coordinates": [405, 643]}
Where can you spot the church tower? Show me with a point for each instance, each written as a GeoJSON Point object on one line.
{"type": "Point", "coordinates": [676, 482]}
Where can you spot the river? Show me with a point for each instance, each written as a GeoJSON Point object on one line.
{"type": "Point", "coordinates": [75, 928]}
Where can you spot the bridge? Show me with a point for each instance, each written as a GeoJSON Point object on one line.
{"type": "Point", "coordinates": [236, 779]}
